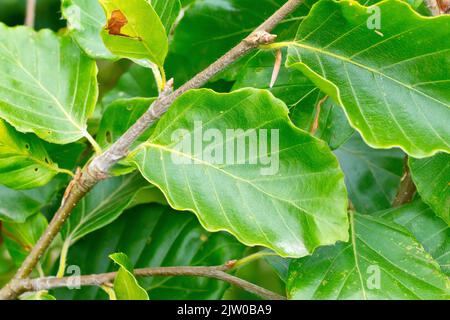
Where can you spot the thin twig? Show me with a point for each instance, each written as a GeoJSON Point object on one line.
{"type": "Point", "coordinates": [407, 188]}
{"type": "Point", "coordinates": [106, 278]}
{"type": "Point", "coordinates": [98, 169]}
{"type": "Point", "coordinates": [30, 13]}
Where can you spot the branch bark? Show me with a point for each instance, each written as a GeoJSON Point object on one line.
{"type": "Point", "coordinates": [30, 13]}
{"type": "Point", "coordinates": [99, 167]}
{"type": "Point", "coordinates": [106, 278]}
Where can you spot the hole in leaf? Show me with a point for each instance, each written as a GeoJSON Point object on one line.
{"type": "Point", "coordinates": [27, 146]}
{"type": "Point", "coordinates": [36, 169]}
{"type": "Point", "coordinates": [46, 160]}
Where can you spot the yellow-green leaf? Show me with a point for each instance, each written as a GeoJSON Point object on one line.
{"type": "Point", "coordinates": [134, 30]}
{"type": "Point", "coordinates": [48, 85]}
{"type": "Point", "coordinates": [126, 286]}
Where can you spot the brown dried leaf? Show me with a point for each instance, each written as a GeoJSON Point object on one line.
{"type": "Point", "coordinates": [116, 23]}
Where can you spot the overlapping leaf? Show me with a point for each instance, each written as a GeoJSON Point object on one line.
{"type": "Point", "coordinates": [37, 296]}
{"type": "Point", "coordinates": [289, 196]}
{"type": "Point", "coordinates": [17, 205]}
{"type": "Point", "coordinates": [168, 11]}
{"type": "Point", "coordinates": [141, 36]}
{"type": "Point", "coordinates": [372, 176]}
{"type": "Point", "coordinates": [119, 116]}
{"type": "Point", "coordinates": [294, 88]}
{"type": "Point", "coordinates": [429, 230]}
{"type": "Point", "coordinates": [156, 236]}
{"type": "Point", "coordinates": [48, 86]}
{"type": "Point", "coordinates": [117, 119]}
{"type": "Point", "coordinates": [383, 261]}
{"type": "Point", "coordinates": [126, 286]}
{"type": "Point", "coordinates": [86, 19]}
{"type": "Point", "coordinates": [136, 82]}
{"type": "Point", "coordinates": [333, 126]}
{"type": "Point", "coordinates": [301, 96]}
{"type": "Point", "coordinates": [392, 82]}
{"type": "Point", "coordinates": [20, 238]}
{"type": "Point", "coordinates": [104, 204]}
{"type": "Point", "coordinates": [432, 178]}
{"type": "Point", "coordinates": [24, 161]}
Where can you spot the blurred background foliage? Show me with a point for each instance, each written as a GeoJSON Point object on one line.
{"type": "Point", "coordinates": [48, 13]}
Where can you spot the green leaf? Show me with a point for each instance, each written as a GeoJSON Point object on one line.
{"type": "Point", "coordinates": [126, 286]}
{"type": "Point", "coordinates": [280, 265]}
{"type": "Point", "coordinates": [24, 161]}
{"type": "Point", "coordinates": [168, 11]}
{"type": "Point", "coordinates": [85, 20]}
{"type": "Point", "coordinates": [429, 230]}
{"type": "Point", "coordinates": [104, 204]}
{"type": "Point", "coordinates": [383, 261]}
{"type": "Point", "coordinates": [333, 125]}
{"type": "Point", "coordinates": [143, 36]}
{"type": "Point", "coordinates": [372, 176]}
{"type": "Point", "coordinates": [7, 267]}
{"type": "Point", "coordinates": [48, 86]}
{"type": "Point", "coordinates": [294, 88]}
{"type": "Point", "coordinates": [156, 236]}
{"type": "Point", "coordinates": [289, 197]}
{"type": "Point", "coordinates": [41, 295]}
{"type": "Point", "coordinates": [119, 116]}
{"type": "Point", "coordinates": [136, 82]}
{"type": "Point", "coordinates": [300, 95]}
{"type": "Point", "coordinates": [16, 206]}
{"type": "Point", "coordinates": [374, 74]}
{"type": "Point", "coordinates": [291, 86]}
{"type": "Point", "coordinates": [117, 119]}
{"type": "Point", "coordinates": [20, 238]}
{"type": "Point", "coordinates": [432, 178]}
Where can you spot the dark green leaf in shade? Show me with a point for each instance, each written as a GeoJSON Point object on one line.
{"type": "Point", "coordinates": [372, 176]}
{"type": "Point", "coordinates": [104, 204]}
{"type": "Point", "coordinates": [24, 160]}
{"type": "Point", "coordinates": [383, 261]}
{"type": "Point", "coordinates": [432, 178]}
{"type": "Point", "coordinates": [429, 230]}
{"type": "Point", "coordinates": [20, 238]}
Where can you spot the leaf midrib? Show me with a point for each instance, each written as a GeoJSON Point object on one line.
{"type": "Point", "coordinates": [169, 150]}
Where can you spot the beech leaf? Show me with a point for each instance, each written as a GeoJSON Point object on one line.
{"type": "Point", "coordinates": [261, 202]}
{"type": "Point", "coordinates": [392, 82]}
